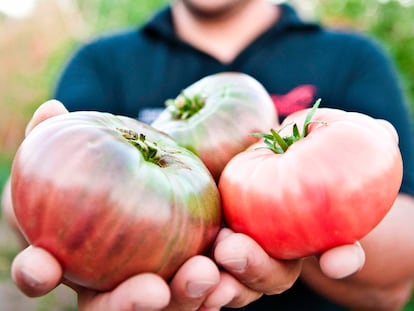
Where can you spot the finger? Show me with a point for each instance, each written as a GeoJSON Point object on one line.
{"type": "Point", "coordinates": [7, 206]}
{"type": "Point", "coordinates": [342, 261]}
{"type": "Point", "coordinates": [194, 281]}
{"type": "Point", "coordinates": [230, 293]}
{"type": "Point", "coordinates": [9, 215]}
{"type": "Point", "coordinates": [223, 234]}
{"type": "Point", "coordinates": [35, 271]}
{"type": "Point", "coordinates": [390, 128]}
{"type": "Point", "coordinates": [146, 291]}
{"type": "Point", "coordinates": [249, 263]}
{"type": "Point", "coordinates": [45, 111]}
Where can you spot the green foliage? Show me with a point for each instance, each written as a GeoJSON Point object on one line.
{"type": "Point", "coordinates": [394, 26]}
{"type": "Point", "coordinates": [5, 164]}
{"type": "Point", "coordinates": [103, 15]}
{"type": "Point", "coordinates": [391, 22]}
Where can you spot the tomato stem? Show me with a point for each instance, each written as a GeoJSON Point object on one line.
{"type": "Point", "coordinates": [278, 144]}
{"type": "Point", "coordinates": [149, 150]}
{"type": "Point", "coordinates": [184, 107]}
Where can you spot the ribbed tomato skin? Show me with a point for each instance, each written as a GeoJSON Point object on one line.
{"type": "Point", "coordinates": [236, 105]}
{"type": "Point", "coordinates": [328, 189]}
{"type": "Point", "coordinates": [84, 193]}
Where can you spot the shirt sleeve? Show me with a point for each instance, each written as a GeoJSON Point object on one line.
{"type": "Point", "coordinates": [374, 88]}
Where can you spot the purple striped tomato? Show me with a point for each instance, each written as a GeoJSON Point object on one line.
{"type": "Point", "coordinates": [301, 192]}
{"type": "Point", "coordinates": [215, 116]}
{"type": "Point", "coordinates": [110, 197]}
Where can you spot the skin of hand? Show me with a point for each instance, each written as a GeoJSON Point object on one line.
{"type": "Point", "coordinates": [385, 283]}
{"type": "Point", "coordinates": [248, 272]}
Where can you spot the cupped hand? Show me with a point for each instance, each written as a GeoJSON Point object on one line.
{"type": "Point", "coordinates": [250, 272]}
{"type": "Point", "coordinates": [246, 271]}
{"type": "Point", "coordinates": [36, 272]}
{"type": "Point", "coordinates": [197, 285]}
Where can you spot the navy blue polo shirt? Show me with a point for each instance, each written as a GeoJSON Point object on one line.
{"type": "Point", "coordinates": [133, 72]}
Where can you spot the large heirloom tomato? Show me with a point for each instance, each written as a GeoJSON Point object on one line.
{"type": "Point", "coordinates": [215, 116]}
{"type": "Point", "coordinates": [300, 193]}
{"type": "Point", "coordinates": [110, 197]}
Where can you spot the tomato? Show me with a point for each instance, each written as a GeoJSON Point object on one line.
{"type": "Point", "coordinates": [215, 116]}
{"type": "Point", "coordinates": [110, 197]}
{"type": "Point", "coordinates": [299, 193]}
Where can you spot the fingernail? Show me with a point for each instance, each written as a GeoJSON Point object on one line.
{"type": "Point", "coordinates": [31, 279]}
{"type": "Point", "coordinates": [198, 289]}
{"type": "Point", "coordinates": [235, 265]}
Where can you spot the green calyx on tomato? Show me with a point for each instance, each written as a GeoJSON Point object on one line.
{"type": "Point", "coordinates": [202, 117]}
{"type": "Point", "coordinates": [184, 107]}
{"type": "Point", "coordinates": [333, 186]}
{"type": "Point", "coordinates": [278, 144]}
{"type": "Point", "coordinates": [149, 150]}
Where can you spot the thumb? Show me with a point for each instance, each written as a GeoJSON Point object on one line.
{"type": "Point", "coordinates": [45, 111]}
{"type": "Point", "coordinates": [35, 271]}
{"type": "Point", "coordinates": [342, 261]}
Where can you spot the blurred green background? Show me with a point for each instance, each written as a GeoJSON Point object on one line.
{"type": "Point", "coordinates": [33, 49]}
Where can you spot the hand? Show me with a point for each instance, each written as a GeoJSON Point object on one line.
{"type": "Point", "coordinates": [248, 271]}
{"type": "Point", "coordinates": [197, 285]}
{"type": "Point", "coordinates": [36, 272]}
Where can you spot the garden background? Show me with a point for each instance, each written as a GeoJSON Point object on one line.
{"type": "Point", "coordinates": [34, 47]}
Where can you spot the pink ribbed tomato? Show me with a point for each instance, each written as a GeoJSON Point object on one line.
{"type": "Point", "coordinates": [215, 116]}
{"type": "Point", "coordinates": [110, 197]}
{"type": "Point", "coordinates": [299, 193]}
